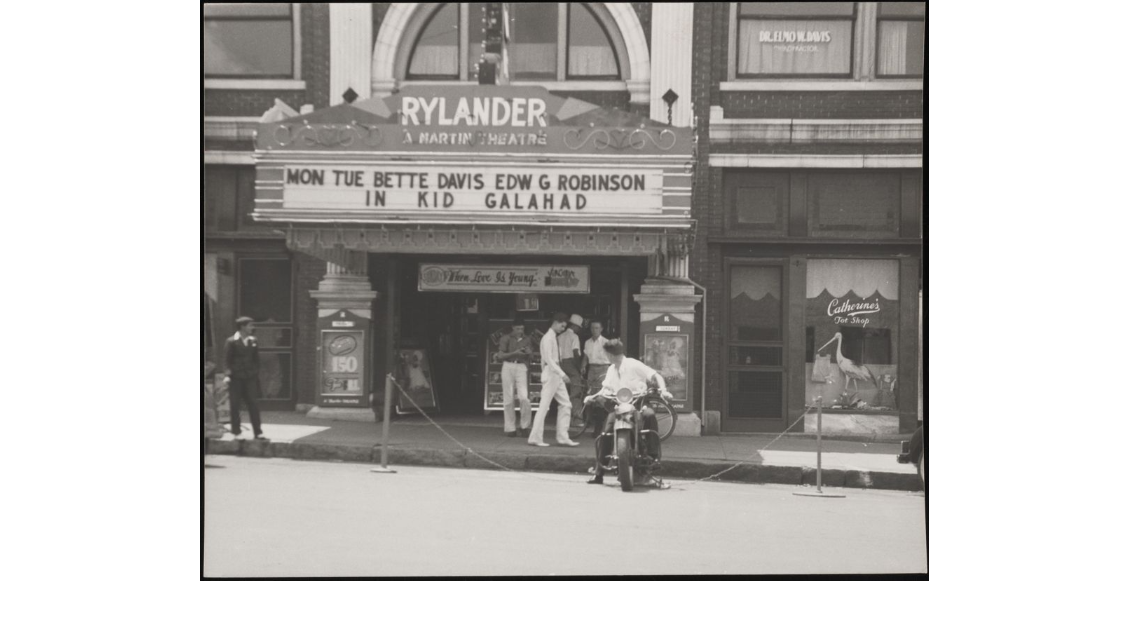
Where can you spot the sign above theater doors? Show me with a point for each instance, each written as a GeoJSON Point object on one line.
{"type": "Point", "coordinates": [504, 278]}
{"type": "Point", "coordinates": [475, 155]}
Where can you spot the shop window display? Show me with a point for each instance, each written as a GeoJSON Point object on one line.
{"type": "Point", "coordinates": [852, 321]}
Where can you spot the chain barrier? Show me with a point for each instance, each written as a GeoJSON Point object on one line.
{"type": "Point", "coordinates": [467, 448]}
{"type": "Point", "coordinates": [528, 474]}
{"type": "Point", "coordinates": [764, 448]}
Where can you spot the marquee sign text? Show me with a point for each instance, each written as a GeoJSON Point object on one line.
{"type": "Point", "coordinates": [428, 188]}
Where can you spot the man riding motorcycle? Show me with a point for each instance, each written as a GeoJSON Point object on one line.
{"type": "Point", "coordinates": [634, 375]}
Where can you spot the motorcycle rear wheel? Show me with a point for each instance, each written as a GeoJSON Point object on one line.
{"type": "Point", "coordinates": [623, 452]}
{"type": "Point", "coordinates": [667, 418]}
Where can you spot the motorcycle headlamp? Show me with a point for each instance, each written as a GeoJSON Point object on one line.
{"type": "Point", "coordinates": [624, 395]}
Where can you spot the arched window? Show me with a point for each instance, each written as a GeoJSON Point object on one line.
{"type": "Point", "coordinates": [435, 52]}
{"type": "Point", "coordinates": [548, 42]}
{"type": "Point", "coordinates": [590, 53]}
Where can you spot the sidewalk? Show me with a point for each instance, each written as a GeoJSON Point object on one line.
{"type": "Point", "coordinates": [413, 440]}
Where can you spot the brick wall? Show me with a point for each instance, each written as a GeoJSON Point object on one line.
{"type": "Point", "coordinates": [705, 265]}
{"type": "Point", "coordinates": [710, 68]}
{"type": "Point", "coordinates": [820, 148]}
{"type": "Point", "coordinates": [315, 72]}
{"type": "Point", "coordinates": [852, 104]}
{"type": "Point", "coordinates": [309, 271]}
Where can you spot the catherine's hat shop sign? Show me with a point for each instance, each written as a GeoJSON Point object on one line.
{"type": "Point", "coordinates": [504, 278]}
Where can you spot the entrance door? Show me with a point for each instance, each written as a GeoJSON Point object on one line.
{"type": "Point", "coordinates": [756, 365]}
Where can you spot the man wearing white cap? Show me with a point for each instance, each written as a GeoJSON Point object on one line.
{"type": "Point", "coordinates": [571, 359]}
{"type": "Point", "coordinates": [553, 386]}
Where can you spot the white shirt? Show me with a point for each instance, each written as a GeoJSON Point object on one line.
{"type": "Point", "coordinates": [568, 343]}
{"type": "Point", "coordinates": [594, 351]}
{"type": "Point", "coordinates": [550, 354]}
{"type": "Point", "coordinates": [631, 374]}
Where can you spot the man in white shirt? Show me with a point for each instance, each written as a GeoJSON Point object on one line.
{"type": "Point", "coordinates": [634, 375]}
{"type": "Point", "coordinates": [595, 360]}
{"type": "Point", "coordinates": [553, 381]}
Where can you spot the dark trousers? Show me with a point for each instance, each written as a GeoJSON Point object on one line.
{"type": "Point", "coordinates": [916, 444]}
{"type": "Point", "coordinates": [241, 391]}
{"type": "Point", "coordinates": [602, 407]}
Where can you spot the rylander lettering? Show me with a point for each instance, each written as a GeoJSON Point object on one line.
{"type": "Point", "coordinates": [493, 111]}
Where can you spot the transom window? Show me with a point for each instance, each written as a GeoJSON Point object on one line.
{"type": "Point", "coordinates": [249, 40]}
{"type": "Point", "coordinates": [547, 42]}
{"type": "Point", "coordinates": [795, 39]}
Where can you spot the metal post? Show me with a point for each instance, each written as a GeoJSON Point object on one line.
{"type": "Point", "coordinates": [383, 467]}
{"type": "Point", "coordinates": [818, 463]}
{"type": "Point", "coordinates": [818, 441]}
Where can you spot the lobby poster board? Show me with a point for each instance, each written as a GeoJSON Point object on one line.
{"type": "Point", "coordinates": [413, 373]}
{"type": "Point", "coordinates": [494, 398]}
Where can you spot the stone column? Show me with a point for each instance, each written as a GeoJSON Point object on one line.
{"type": "Point", "coordinates": [344, 287]}
{"type": "Point", "coordinates": [657, 299]}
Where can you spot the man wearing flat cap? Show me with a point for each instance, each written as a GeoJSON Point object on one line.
{"type": "Point", "coordinates": [241, 357]}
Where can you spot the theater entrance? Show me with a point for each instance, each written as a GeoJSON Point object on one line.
{"type": "Point", "coordinates": [445, 338]}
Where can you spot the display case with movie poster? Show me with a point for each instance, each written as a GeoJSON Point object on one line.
{"type": "Point", "coordinates": [413, 373]}
{"type": "Point", "coordinates": [494, 398]}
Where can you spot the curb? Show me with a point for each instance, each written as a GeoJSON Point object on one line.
{"type": "Point", "coordinates": [573, 464]}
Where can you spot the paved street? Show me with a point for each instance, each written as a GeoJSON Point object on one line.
{"type": "Point", "coordinates": [278, 517]}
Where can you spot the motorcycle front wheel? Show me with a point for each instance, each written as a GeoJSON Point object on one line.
{"type": "Point", "coordinates": [626, 465]}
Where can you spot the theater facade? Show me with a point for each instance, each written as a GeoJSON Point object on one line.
{"type": "Point", "coordinates": [445, 212]}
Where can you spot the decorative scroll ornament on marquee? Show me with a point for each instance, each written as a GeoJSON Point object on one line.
{"type": "Point", "coordinates": [327, 135]}
{"type": "Point", "coordinates": [602, 138]}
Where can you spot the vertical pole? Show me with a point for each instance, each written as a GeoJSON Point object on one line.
{"type": "Point", "coordinates": [387, 421]}
{"type": "Point", "coordinates": [818, 471]}
{"type": "Point", "coordinates": [383, 467]}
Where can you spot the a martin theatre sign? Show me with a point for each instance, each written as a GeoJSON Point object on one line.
{"type": "Point", "coordinates": [472, 155]}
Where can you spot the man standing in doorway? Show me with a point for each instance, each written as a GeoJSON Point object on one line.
{"type": "Point", "coordinates": [554, 382]}
{"type": "Point", "coordinates": [595, 362]}
{"type": "Point", "coordinates": [516, 351]}
{"type": "Point", "coordinates": [571, 359]}
{"type": "Point", "coordinates": [241, 357]}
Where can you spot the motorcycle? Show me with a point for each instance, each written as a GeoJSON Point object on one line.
{"type": "Point", "coordinates": [628, 459]}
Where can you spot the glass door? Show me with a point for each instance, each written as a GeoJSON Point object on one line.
{"type": "Point", "coordinates": [755, 359]}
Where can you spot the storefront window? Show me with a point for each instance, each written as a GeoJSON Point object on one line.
{"type": "Point", "coordinates": [435, 55]}
{"type": "Point", "coordinates": [265, 295]}
{"type": "Point", "coordinates": [900, 37]}
{"type": "Point", "coordinates": [794, 39]}
{"type": "Point", "coordinates": [248, 40]}
{"type": "Point", "coordinates": [863, 202]}
{"type": "Point", "coordinates": [852, 324]}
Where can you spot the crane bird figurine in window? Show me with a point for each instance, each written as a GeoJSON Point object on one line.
{"type": "Point", "coordinates": [849, 369]}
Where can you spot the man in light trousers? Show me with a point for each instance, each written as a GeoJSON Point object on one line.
{"type": "Point", "coordinates": [554, 382]}
{"type": "Point", "coordinates": [516, 349]}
